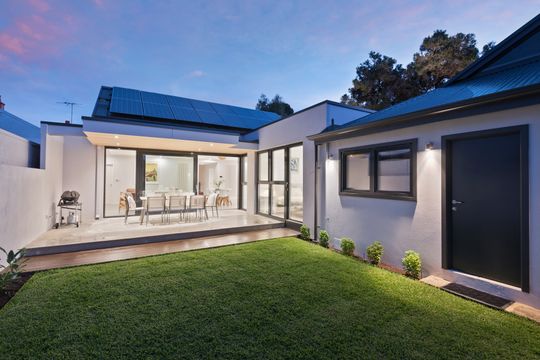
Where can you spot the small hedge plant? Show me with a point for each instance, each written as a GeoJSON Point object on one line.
{"type": "Point", "coordinates": [412, 264]}
{"type": "Point", "coordinates": [324, 238]}
{"type": "Point", "coordinates": [347, 246]}
{"type": "Point", "coordinates": [375, 252]}
{"type": "Point", "coordinates": [304, 232]}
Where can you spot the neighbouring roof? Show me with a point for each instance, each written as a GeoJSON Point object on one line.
{"type": "Point", "coordinates": [123, 103]}
{"type": "Point", "coordinates": [19, 127]}
{"type": "Point", "coordinates": [512, 68]}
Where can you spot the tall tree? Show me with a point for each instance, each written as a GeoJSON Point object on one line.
{"type": "Point", "coordinates": [442, 56]}
{"type": "Point", "coordinates": [276, 105]}
{"type": "Point", "coordinates": [380, 81]}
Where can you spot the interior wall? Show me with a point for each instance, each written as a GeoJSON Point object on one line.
{"type": "Point", "coordinates": [402, 225]}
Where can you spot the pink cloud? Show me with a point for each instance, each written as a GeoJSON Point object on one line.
{"type": "Point", "coordinates": [11, 44]}
{"type": "Point", "coordinates": [39, 5]}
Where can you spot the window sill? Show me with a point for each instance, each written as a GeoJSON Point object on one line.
{"type": "Point", "coordinates": [379, 195]}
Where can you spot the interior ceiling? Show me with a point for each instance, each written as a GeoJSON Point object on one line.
{"type": "Point", "coordinates": [144, 142]}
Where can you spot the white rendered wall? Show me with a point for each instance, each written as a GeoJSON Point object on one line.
{"type": "Point", "coordinates": [402, 225]}
{"type": "Point", "coordinates": [14, 150]}
{"type": "Point", "coordinates": [79, 172]}
{"type": "Point", "coordinates": [28, 202]}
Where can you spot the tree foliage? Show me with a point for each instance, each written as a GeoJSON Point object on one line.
{"type": "Point", "coordinates": [381, 82]}
{"type": "Point", "coordinates": [276, 105]}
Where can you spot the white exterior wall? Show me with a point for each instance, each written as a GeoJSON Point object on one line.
{"type": "Point", "coordinates": [79, 172]}
{"type": "Point", "coordinates": [14, 150]}
{"type": "Point", "coordinates": [28, 202]}
{"type": "Point", "coordinates": [401, 225]}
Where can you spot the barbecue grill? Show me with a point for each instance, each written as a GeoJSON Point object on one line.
{"type": "Point", "coordinates": [69, 201]}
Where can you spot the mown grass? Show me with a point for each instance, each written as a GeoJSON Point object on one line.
{"type": "Point", "coordinates": [281, 298]}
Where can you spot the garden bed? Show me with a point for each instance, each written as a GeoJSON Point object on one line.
{"type": "Point", "coordinates": [12, 288]}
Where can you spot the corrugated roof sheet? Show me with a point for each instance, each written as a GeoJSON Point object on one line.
{"type": "Point", "coordinates": [510, 78]}
{"type": "Point", "coordinates": [117, 101]}
{"type": "Point", "coordinates": [19, 127]}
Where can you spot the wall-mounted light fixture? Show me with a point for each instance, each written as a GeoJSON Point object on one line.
{"type": "Point", "coordinates": [429, 146]}
{"type": "Point", "coordinates": [329, 156]}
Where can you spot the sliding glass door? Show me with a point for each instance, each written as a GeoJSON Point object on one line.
{"type": "Point", "coordinates": [120, 178]}
{"type": "Point", "coordinates": [243, 181]}
{"type": "Point", "coordinates": [280, 182]}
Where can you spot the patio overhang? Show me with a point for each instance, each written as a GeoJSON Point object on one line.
{"type": "Point", "coordinates": [127, 135]}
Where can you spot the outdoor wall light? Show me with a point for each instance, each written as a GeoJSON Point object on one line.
{"type": "Point", "coordinates": [429, 146]}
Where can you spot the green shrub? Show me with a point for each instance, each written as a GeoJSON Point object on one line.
{"type": "Point", "coordinates": [375, 252]}
{"type": "Point", "coordinates": [13, 269]}
{"type": "Point", "coordinates": [412, 264]}
{"type": "Point", "coordinates": [324, 238]}
{"type": "Point", "coordinates": [304, 232]}
{"type": "Point", "coordinates": [347, 246]}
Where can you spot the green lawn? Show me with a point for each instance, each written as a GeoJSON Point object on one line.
{"type": "Point", "coordinates": [281, 298]}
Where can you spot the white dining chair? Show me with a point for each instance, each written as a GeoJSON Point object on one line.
{"type": "Point", "coordinates": [131, 205]}
{"type": "Point", "coordinates": [177, 203]}
{"type": "Point", "coordinates": [211, 202]}
{"type": "Point", "coordinates": [155, 204]}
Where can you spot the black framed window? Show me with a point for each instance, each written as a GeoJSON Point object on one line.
{"type": "Point", "coordinates": [280, 182]}
{"type": "Point", "coordinates": [383, 170]}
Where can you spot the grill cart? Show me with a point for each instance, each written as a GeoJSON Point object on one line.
{"type": "Point", "coordinates": [69, 201]}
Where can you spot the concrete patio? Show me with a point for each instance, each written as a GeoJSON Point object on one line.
{"type": "Point", "coordinates": [112, 232]}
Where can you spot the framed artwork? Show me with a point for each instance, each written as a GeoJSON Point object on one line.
{"type": "Point", "coordinates": [151, 172]}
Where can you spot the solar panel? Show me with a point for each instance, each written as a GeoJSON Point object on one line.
{"type": "Point", "coordinates": [154, 105]}
{"type": "Point", "coordinates": [201, 105]}
{"type": "Point", "coordinates": [125, 106]}
{"type": "Point", "coordinates": [179, 101]}
{"type": "Point", "coordinates": [211, 117]}
{"type": "Point", "coordinates": [185, 114]}
{"type": "Point", "coordinates": [154, 98]}
{"type": "Point", "coordinates": [134, 95]}
{"type": "Point", "coordinates": [157, 110]}
{"type": "Point", "coordinates": [222, 109]}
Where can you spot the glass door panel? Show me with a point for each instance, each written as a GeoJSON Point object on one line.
{"type": "Point", "coordinates": [296, 183]}
{"type": "Point", "coordinates": [120, 169]}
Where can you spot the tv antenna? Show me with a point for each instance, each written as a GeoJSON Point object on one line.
{"type": "Point", "coordinates": [70, 104]}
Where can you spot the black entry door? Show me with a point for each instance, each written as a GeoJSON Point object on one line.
{"type": "Point", "coordinates": [485, 205]}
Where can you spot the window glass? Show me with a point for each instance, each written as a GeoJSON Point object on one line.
{"type": "Point", "coordinates": [357, 171]}
{"type": "Point", "coordinates": [394, 170]}
{"type": "Point", "coordinates": [264, 199]}
{"type": "Point", "coordinates": [278, 200]}
{"type": "Point", "coordinates": [278, 165]}
{"type": "Point", "coordinates": [263, 166]}
{"type": "Point", "coordinates": [296, 201]}
{"type": "Point", "coordinates": [244, 169]}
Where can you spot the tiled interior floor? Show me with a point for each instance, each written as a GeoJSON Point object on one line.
{"type": "Point", "coordinates": [114, 228]}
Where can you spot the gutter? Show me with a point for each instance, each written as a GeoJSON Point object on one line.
{"type": "Point", "coordinates": [423, 116]}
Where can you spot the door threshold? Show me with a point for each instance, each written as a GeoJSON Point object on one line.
{"type": "Point", "coordinates": [485, 280]}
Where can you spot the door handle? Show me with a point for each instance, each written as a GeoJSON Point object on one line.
{"type": "Point", "coordinates": [457, 202]}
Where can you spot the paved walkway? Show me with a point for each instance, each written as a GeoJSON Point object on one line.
{"type": "Point", "coordinates": [516, 308]}
{"type": "Point", "coordinates": [45, 262]}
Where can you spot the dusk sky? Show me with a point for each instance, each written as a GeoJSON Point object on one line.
{"type": "Point", "coordinates": [222, 51]}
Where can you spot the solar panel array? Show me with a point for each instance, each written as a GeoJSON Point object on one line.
{"type": "Point", "coordinates": [152, 105]}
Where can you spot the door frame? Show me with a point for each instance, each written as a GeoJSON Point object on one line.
{"type": "Point", "coordinates": [446, 178]}
{"type": "Point", "coordinates": [270, 182]}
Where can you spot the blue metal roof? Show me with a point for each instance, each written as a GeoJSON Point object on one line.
{"type": "Point", "coordinates": [19, 127]}
{"type": "Point", "coordinates": [508, 78]}
{"type": "Point", "coordinates": [130, 103]}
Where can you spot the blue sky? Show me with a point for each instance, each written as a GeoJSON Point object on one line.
{"type": "Point", "coordinates": [223, 51]}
